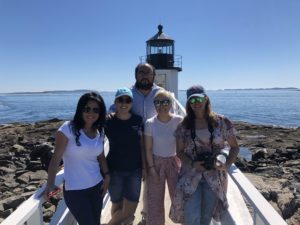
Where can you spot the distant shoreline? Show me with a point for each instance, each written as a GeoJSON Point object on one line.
{"type": "Point", "coordinates": [265, 89]}
{"type": "Point", "coordinates": [86, 90]}
{"type": "Point", "coordinates": [58, 120]}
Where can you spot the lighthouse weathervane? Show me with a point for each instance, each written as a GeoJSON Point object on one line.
{"type": "Point", "coordinates": [160, 52]}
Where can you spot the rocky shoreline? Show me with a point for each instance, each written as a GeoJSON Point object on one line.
{"type": "Point", "coordinates": [274, 169]}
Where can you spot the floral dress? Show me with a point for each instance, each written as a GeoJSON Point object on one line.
{"type": "Point", "coordinates": [189, 178]}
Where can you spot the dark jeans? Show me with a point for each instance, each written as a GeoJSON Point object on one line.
{"type": "Point", "coordinates": [85, 205]}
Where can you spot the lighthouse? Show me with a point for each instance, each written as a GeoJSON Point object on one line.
{"type": "Point", "coordinates": [160, 52]}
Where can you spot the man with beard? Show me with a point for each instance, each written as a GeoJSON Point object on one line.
{"type": "Point", "coordinates": [144, 91]}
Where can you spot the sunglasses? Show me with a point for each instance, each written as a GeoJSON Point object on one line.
{"type": "Point", "coordinates": [196, 100]}
{"type": "Point", "coordinates": [124, 100]}
{"type": "Point", "coordinates": [164, 102]}
{"type": "Point", "coordinates": [89, 109]}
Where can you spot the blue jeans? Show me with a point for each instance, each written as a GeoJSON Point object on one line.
{"type": "Point", "coordinates": [125, 184]}
{"type": "Point", "coordinates": [198, 209]}
{"type": "Point", "coordinates": [85, 205]}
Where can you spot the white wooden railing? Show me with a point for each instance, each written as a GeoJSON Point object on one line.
{"type": "Point", "coordinates": [30, 211]}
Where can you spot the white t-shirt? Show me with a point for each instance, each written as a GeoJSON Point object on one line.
{"type": "Point", "coordinates": [164, 141]}
{"type": "Point", "coordinates": [81, 165]}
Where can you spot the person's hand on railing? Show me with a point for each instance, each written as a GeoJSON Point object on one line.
{"type": "Point", "coordinates": [50, 191]}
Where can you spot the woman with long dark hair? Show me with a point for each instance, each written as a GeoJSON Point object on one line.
{"type": "Point", "coordinates": [200, 193]}
{"type": "Point", "coordinates": [80, 143]}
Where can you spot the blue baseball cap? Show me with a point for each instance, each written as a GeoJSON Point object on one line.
{"type": "Point", "coordinates": [124, 91]}
{"type": "Point", "coordinates": [195, 91]}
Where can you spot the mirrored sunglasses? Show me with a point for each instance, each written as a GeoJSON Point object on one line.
{"type": "Point", "coordinates": [197, 100]}
{"type": "Point", "coordinates": [89, 109]}
{"type": "Point", "coordinates": [164, 102]}
{"type": "Point", "coordinates": [124, 100]}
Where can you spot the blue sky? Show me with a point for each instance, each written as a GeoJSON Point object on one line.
{"type": "Point", "coordinates": [95, 44]}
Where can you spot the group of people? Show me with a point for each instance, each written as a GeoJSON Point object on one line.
{"type": "Point", "coordinates": [147, 143]}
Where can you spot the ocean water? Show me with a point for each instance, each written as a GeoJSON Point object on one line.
{"type": "Point", "coordinates": [268, 107]}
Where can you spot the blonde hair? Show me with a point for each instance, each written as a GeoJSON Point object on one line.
{"type": "Point", "coordinates": [165, 94]}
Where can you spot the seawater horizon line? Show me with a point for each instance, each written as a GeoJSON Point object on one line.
{"type": "Point", "coordinates": [104, 91]}
{"type": "Point", "coordinates": [69, 119]}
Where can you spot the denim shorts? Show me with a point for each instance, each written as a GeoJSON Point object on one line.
{"type": "Point", "coordinates": [125, 185]}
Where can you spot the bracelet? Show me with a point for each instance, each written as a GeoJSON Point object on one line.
{"type": "Point", "coordinates": [150, 167]}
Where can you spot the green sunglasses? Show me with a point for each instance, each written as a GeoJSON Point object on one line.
{"type": "Point", "coordinates": [197, 100]}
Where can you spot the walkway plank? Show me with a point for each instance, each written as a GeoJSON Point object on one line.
{"type": "Point", "coordinates": [106, 212]}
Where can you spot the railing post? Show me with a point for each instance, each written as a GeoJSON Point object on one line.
{"type": "Point", "coordinates": [37, 217]}
{"type": "Point", "coordinates": [257, 219]}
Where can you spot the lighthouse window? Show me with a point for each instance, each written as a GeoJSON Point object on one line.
{"type": "Point", "coordinates": [160, 49]}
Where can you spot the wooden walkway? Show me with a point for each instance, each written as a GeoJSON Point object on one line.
{"type": "Point", "coordinates": [237, 208]}
{"type": "Point", "coordinates": [106, 212]}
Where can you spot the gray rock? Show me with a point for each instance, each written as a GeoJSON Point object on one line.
{"type": "Point", "coordinates": [38, 175]}
{"type": "Point", "coordinates": [30, 188]}
{"type": "Point", "coordinates": [5, 162]}
{"type": "Point", "coordinates": [5, 156]}
{"type": "Point", "coordinates": [6, 170]}
{"type": "Point", "coordinates": [34, 165]}
{"type": "Point", "coordinates": [286, 203]}
{"type": "Point", "coordinates": [16, 148]}
{"type": "Point", "coordinates": [259, 153]}
{"type": "Point", "coordinates": [5, 213]}
{"type": "Point", "coordinates": [28, 194]}
{"type": "Point", "coordinates": [13, 202]}
{"type": "Point", "coordinates": [11, 184]}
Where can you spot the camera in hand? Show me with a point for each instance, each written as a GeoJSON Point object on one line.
{"type": "Point", "coordinates": [208, 158]}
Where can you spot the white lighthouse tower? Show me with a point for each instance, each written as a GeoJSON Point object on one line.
{"type": "Point", "coordinates": [161, 54]}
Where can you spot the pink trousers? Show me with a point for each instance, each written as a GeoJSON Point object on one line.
{"type": "Point", "coordinates": [167, 169]}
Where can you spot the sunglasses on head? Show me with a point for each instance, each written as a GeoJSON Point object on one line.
{"type": "Point", "coordinates": [124, 100]}
{"type": "Point", "coordinates": [88, 109]}
{"type": "Point", "coordinates": [197, 100]}
{"type": "Point", "coordinates": [164, 102]}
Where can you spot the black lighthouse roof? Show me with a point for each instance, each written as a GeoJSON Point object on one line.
{"type": "Point", "coordinates": [160, 36]}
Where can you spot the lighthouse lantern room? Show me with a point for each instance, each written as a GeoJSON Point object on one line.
{"type": "Point", "coordinates": [161, 54]}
